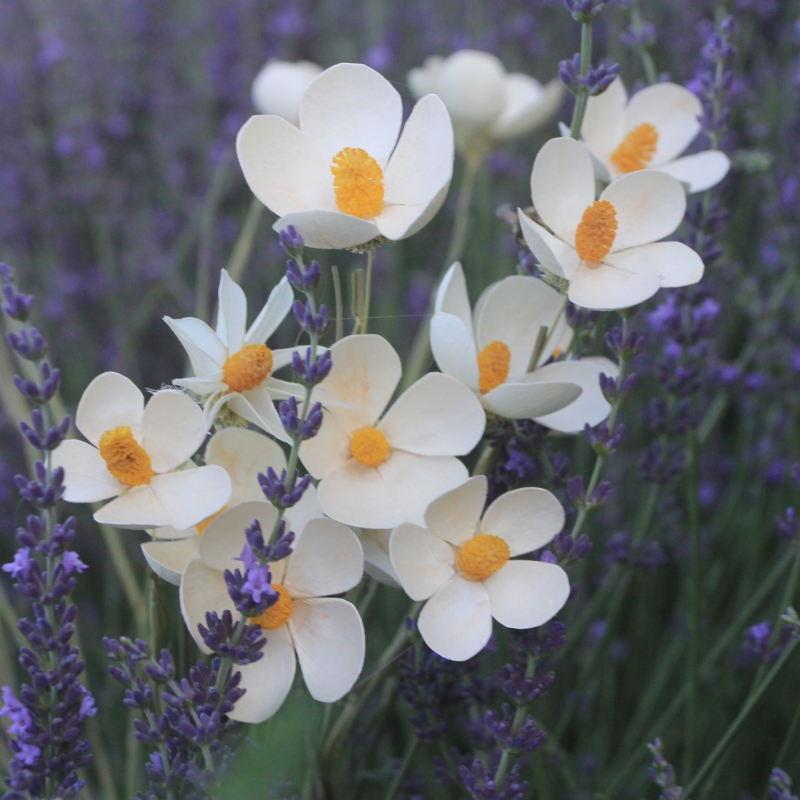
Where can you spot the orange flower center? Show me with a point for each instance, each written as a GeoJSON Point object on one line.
{"type": "Point", "coordinates": [201, 526]}
{"type": "Point", "coordinates": [358, 182]}
{"type": "Point", "coordinates": [277, 615]}
{"type": "Point", "coordinates": [369, 447]}
{"type": "Point", "coordinates": [596, 232]}
{"type": "Point", "coordinates": [493, 363]}
{"type": "Point", "coordinates": [482, 556]}
{"type": "Point", "coordinates": [125, 458]}
{"type": "Point", "coordinates": [637, 149]}
{"type": "Point", "coordinates": [248, 368]}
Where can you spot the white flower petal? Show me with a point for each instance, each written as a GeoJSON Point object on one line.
{"type": "Point", "coordinates": [278, 305]}
{"type": "Point", "coordinates": [300, 514]}
{"type": "Point", "coordinates": [423, 562]}
{"type": "Point", "coordinates": [173, 429]}
{"type": "Point", "coordinates": [86, 476]}
{"type": "Point", "coordinates": [436, 416]}
{"type": "Point", "coordinates": [351, 105]}
{"type": "Point", "coordinates": [203, 590]}
{"type": "Point", "coordinates": [553, 254]}
{"type": "Point", "coordinates": [169, 559]}
{"type": "Point", "coordinates": [203, 386]}
{"type": "Point", "coordinates": [398, 222]}
{"type": "Point", "coordinates": [602, 128]}
{"type": "Point", "coordinates": [452, 296]}
{"type": "Point", "coordinates": [377, 563]}
{"type": "Point", "coordinates": [279, 87]}
{"type": "Point", "coordinates": [608, 287]}
{"type": "Point", "coordinates": [357, 495]}
{"type": "Point", "coordinates": [137, 508]}
{"type": "Point", "coordinates": [282, 357]}
{"type": "Point", "coordinates": [530, 399]}
{"type": "Point", "coordinates": [327, 559]}
{"type": "Point", "coordinates": [528, 106]}
{"type": "Point", "coordinates": [223, 539]}
{"type": "Point", "coordinates": [453, 349]}
{"type": "Point", "coordinates": [231, 313]}
{"type": "Point", "coordinates": [168, 533]}
{"type": "Point", "coordinates": [700, 171]}
{"type": "Point", "coordinates": [191, 495]}
{"type": "Point", "coordinates": [207, 354]}
{"type": "Point", "coordinates": [526, 594]}
{"type": "Point", "coordinates": [328, 229]}
{"type": "Point", "coordinates": [328, 636]}
{"type": "Point", "coordinates": [671, 263]}
{"type": "Point", "coordinates": [454, 515]}
{"type": "Point", "coordinates": [256, 406]}
{"type": "Point", "coordinates": [423, 80]}
{"type": "Point", "coordinates": [456, 622]}
{"type": "Point", "coordinates": [472, 85]}
{"type": "Point", "coordinates": [329, 450]}
{"type": "Point", "coordinates": [526, 519]}
{"type": "Point", "coordinates": [109, 401]}
{"type": "Point", "coordinates": [562, 185]}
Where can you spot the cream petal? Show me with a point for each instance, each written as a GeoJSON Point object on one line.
{"type": "Point", "coordinates": [607, 288]}
{"type": "Point", "coordinates": [109, 401]}
{"type": "Point", "coordinates": [256, 406]}
{"type": "Point", "coordinates": [436, 416]}
{"type": "Point", "coordinates": [327, 560]}
{"type": "Point", "coordinates": [203, 386]}
{"type": "Point", "coordinates": [414, 481]}
{"type": "Point", "coordinates": [398, 222]}
{"type": "Point", "coordinates": [223, 540]}
{"type": "Point", "coordinates": [168, 533]}
{"type": "Point", "coordinates": [377, 563]}
{"type": "Point", "coordinates": [602, 128]}
{"type": "Point", "coordinates": [453, 349]}
{"type": "Point", "coordinates": [526, 594]}
{"type": "Point", "coordinates": [282, 167]}
{"type": "Point", "coordinates": [649, 206]}
{"type": "Point", "coordinates": [278, 305]}
{"type": "Point", "coordinates": [329, 450]}
{"type": "Point", "coordinates": [553, 254]}
{"type": "Point", "coordinates": [526, 519]}
{"type": "Point", "coordinates": [267, 681]}
{"type": "Point", "coordinates": [351, 105]}
{"type": "Point", "coordinates": [423, 562]}
{"type": "Point", "coordinates": [472, 85]}
{"type": "Point", "coordinates": [456, 622]}
{"type": "Point", "coordinates": [454, 515]}
{"type": "Point", "coordinates": [207, 353]}
{"type": "Point", "coordinates": [282, 357]}
{"type": "Point", "coordinates": [282, 390]}
{"type": "Point", "coordinates": [279, 87]}
{"type": "Point", "coordinates": [528, 106]}
{"type": "Point", "coordinates": [213, 405]}
{"type": "Point", "coordinates": [173, 429]}
{"type": "Point", "coordinates": [191, 495]}
{"type": "Point", "coordinates": [452, 296]}
{"type": "Point", "coordinates": [328, 229]}
{"type": "Point", "coordinates": [169, 559]}
{"type": "Point", "coordinates": [203, 590]}
{"type": "Point", "coordinates": [700, 171]}
{"type": "Point", "coordinates": [231, 313]}
{"type": "Point", "coordinates": [562, 185]}
{"type": "Point", "coordinates": [86, 476]}
{"type": "Point", "coordinates": [423, 80]}
{"type": "Point", "coordinates": [328, 636]}
{"type": "Point", "coordinates": [671, 263]}
{"type": "Point", "coordinates": [530, 399]}
{"type": "Point", "coordinates": [591, 408]}
{"type": "Point", "coordinates": [136, 508]}
{"type": "Point", "coordinates": [301, 513]}
{"type": "Point", "coordinates": [357, 495]}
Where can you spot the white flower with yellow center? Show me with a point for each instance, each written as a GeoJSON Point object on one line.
{"type": "Point", "coordinates": [607, 249]}
{"type": "Point", "coordinates": [242, 454]}
{"type": "Point", "coordinates": [325, 634]}
{"type": "Point", "coordinates": [461, 564]}
{"type": "Point", "coordinates": [280, 85]}
{"type": "Point", "coordinates": [501, 352]}
{"type": "Point", "coordinates": [233, 367]}
{"type": "Point", "coordinates": [135, 456]}
{"type": "Point", "coordinates": [343, 179]}
{"type": "Point", "coordinates": [378, 471]}
{"type": "Point", "coordinates": [487, 105]}
{"type": "Point", "coordinates": [650, 131]}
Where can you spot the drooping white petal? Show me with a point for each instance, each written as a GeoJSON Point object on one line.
{"type": "Point", "coordinates": [528, 106]}
{"type": "Point", "coordinates": [452, 296]}
{"type": "Point", "coordinates": [278, 305]}
{"type": "Point", "coordinates": [526, 594]}
{"type": "Point", "coordinates": [472, 85]}
{"type": "Point", "coordinates": [169, 559]}
{"type": "Point", "coordinates": [423, 562]}
{"type": "Point", "coordinates": [553, 254]}
{"type": "Point", "coordinates": [191, 495]}
{"type": "Point", "coordinates": [602, 128]}
{"type": "Point", "coordinates": [279, 87]}
{"type": "Point", "coordinates": [609, 287]}
{"type": "Point", "coordinates": [202, 590]}
{"type": "Point", "coordinates": [530, 398]}
{"type": "Point", "coordinates": [328, 229]}
{"type": "Point", "coordinates": [256, 406]}
{"type": "Point", "coordinates": [207, 354]}
{"type": "Point", "coordinates": [223, 539]}
{"type": "Point", "coordinates": [109, 401]}
{"type": "Point", "coordinates": [173, 429]}
{"type": "Point", "coordinates": [454, 515]}
{"type": "Point", "coordinates": [526, 519]}
{"type": "Point", "coordinates": [329, 450]}
{"type": "Point", "coordinates": [671, 263]}
{"type": "Point", "coordinates": [399, 221]}
{"type": "Point", "coordinates": [377, 563]}
{"type": "Point", "coordinates": [86, 476]}
{"type": "Point", "coordinates": [700, 171]}
{"type": "Point", "coordinates": [136, 508]}
{"type": "Point", "coordinates": [231, 313]}
{"type": "Point", "coordinates": [453, 348]}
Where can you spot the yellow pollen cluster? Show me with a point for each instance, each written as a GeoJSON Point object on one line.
{"type": "Point", "coordinates": [596, 232]}
{"type": "Point", "coordinates": [358, 182]}
{"type": "Point", "coordinates": [125, 458]}
{"type": "Point", "coordinates": [201, 526]}
{"type": "Point", "coordinates": [493, 363]}
{"type": "Point", "coordinates": [248, 368]}
{"type": "Point", "coordinates": [482, 556]}
{"type": "Point", "coordinates": [637, 149]}
{"type": "Point", "coordinates": [369, 447]}
{"type": "Point", "coordinates": [278, 614]}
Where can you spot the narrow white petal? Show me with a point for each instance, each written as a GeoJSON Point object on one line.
{"type": "Point", "coordinates": [109, 401]}
{"type": "Point", "coordinates": [526, 519]}
{"type": "Point", "coordinates": [169, 559]}
{"type": "Point", "coordinates": [256, 406]}
{"type": "Point", "coordinates": [602, 128]}
{"type": "Point", "coordinates": [377, 563]}
{"type": "Point", "coordinates": [531, 398]}
{"type": "Point", "coordinates": [173, 429]}
{"type": "Point", "coordinates": [231, 313]}
{"type": "Point", "coordinates": [700, 171]}
{"type": "Point", "coordinates": [191, 495]}
{"type": "Point", "coordinates": [203, 386]}
{"type": "Point", "coordinates": [452, 296]}
{"type": "Point", "coordinates": [278, 305]}
{"type": "Point", "coordinates": [553, 254]}
{"type": "Point", "coordinates": [526, 594]}
{"type": "Point", "coordinates": [206, 351]}
{"type": "Point", "coordinates": [454, 349]}
{"type": "Point", "coordinates": [398, 221]}
{"type": "Point", "coordinates": [454, 515]}
{"type": "Point", "coordinates": [423, 562]}
{"type": "Point", "coordinates": [86, 476]}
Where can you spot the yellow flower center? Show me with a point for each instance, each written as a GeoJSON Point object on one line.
{"type": "Point", "coordinates": [248, 368]}
{"type": "Point", "coordinates": [482, 556]}
{"type": "Point", "coordinates": [596, 232]}
{"type": "Point", "coordinates": [637, 149]}
{"type": "Point", "coordinates": [369, 447]}
{"type": "Point", "coordinates": [358, 182]}
{"type": "Point", "coordinates": [493, 363]}
{"type": "Point", "coordinates": [125, 458]}
{"type": "Point", "coordinates": [278, 614]}
{"type": "Point", "coordinates": [201, 526]}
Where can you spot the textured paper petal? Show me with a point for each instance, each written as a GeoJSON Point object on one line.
{"type": "Point", "coordinates": [137, 508]}
{"type": "Point", "coordinates": [700, 171]}
{"type": "Point", "coordinates": [329, 450]}
{"type": "Point", "coordinates": [456, 622]}
{"type": "Point", "coordinates": [398, 222]}
{"type": "Point", "coordinates": [526, 519]}
{"type": "Point", "coordinates": [671, 263]}
{"type": "Point", "coordinates": [173, 429]}
{"type": "Point", "coordinates": [453, 348]}
{"type": "Point", "coordinates": [424, 80]}
{"type": "Point", "coordinates": [553, 254]}
{"type": "Point", "coordinates": [109, 401]}
{"type": "Point", "coordinates": [328, 636]}
{"type": "Point", "coordinates": [278, 305]}
{"type": "Point", "coordinates": [526, 594]}
{"type": "Point", "coordinates": [207, 353]}
{"type": "Point", "coordinates": [300, 514]}
{"type": "Point", "coordinates": [256, 406]}
{"type": "Point", "coordinates": [203, 590]}
{"type": "Point", "coordinates": [602, 128]}
{"type": "Point", "coordinates": [454, 515]}
{"type": "Point", "coordinates": [87, 478]}
{"type": "Point", "coordinates": [452, 296]}
{"type": "Point", "coordinates": [609, 287]}
{"type": "Point", "coordinates": [423, 562]}
{"type": "Point", "coordinates": [357, 495]}
{"type": "Point", "coordinates": [169, 559]}
{"type": "Point", "coordinates": [222, 541]}
{"type": "Point", "coordinates": [203, 386]}
{"type": "Point", "coordinates": [472, 85]}
{"type": "Point", "coordinates": [231, 313]}
{"type": "Point", "coordinates": [191, 495]}
{"type": "Point", "coordinates": [377, 563]}
{"type": "Point", "coordinates": [530, 399]}
{"type": "Point", "coordinates": [328, 229]}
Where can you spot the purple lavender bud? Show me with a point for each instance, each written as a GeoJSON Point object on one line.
{"type": "Point", "coordinates": [780, 786]}
{"type": "Point", "coordinates": [291, 241]}
{"type": "Point", "coordinates": [308, 320]}
{"type": "Point", "coordinates": [7, 274]}
{"type": "Point", "coordinates": [601, 439]}
{"type": "Point", "coordinates": [598, 79]}
{"type": "Point", "coordinates": [289, 414]}
{"type": "Point", "coordinates": [29, 343]}
{"type": "Point", "coordinates": [584, 10]}
{"type": "Point", "coordinates": [788, 526]}
{"type": "Point", "coordinates": [608, 386]}
{"type": "Point", "coordinates": [624, 348]}
{"type": "Point", "coordinates": [601, 494]}
{"type": "Point", "coordinates": [569, 73]}
{"type": "Point", "coordinates": [576, 490]}
{"type": "Point", "coordinates": [642, 37]}
{"type": "Point", "coordinates": [619, 548]}
{"type": "Point", "coordinates": [548, 557]}
{"type": "Point", "coordinates": [21, 565]}
{"type": "Point", "coordinates": [313, 422]}
{"type": "Point", "coordinates": [308, 373]}
{"type": "Point", "coordinates": [17, 305]}
{"type": "Point", "coordinates": [304, 279]}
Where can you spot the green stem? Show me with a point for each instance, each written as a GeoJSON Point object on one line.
{"type": "Point", "coordinates": [130, 586]}
{"type": "Point", "coordinates": [519, 718]}
{"type": "Point", "coordinates": [458, 237]}
{"type": "Point", "coordinates": [367, 292]}
{"type": "Point", "coordinates": [408, 757]}
{"type": "Point", "coordinates": [793, 727]}
{"type": "Point", "coordinates": [337, 298]}
{"type": "Point", "coordinates": [243, 248]}
{"type": "Point", "coordinates": [582, 98]}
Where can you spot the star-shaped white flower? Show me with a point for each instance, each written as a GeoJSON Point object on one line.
{"type": "Point", "coordinates": [487, 105]}
{"type": "Point", "coordinates": [135, 456]}
{"type": "Point", "coordinates": [650, 131]}
{"type": "Point", "coordinates": [325, 633]}
{"type": "Point", "coordinates": [343, 178]}
{"type": "Point", "coordinates": [607, 249]}
{"type": "Point", "coordinates": [378, 471]}
{"type": "Point", "coordinates": [491, 352]}
{"type": "Point", "coordinates": [234, 368]}
{"type": "Point", "coordinates": [460, 564]}
{"type": "Point", "coordinates": [242, 454]}
{"type": "Point", "coordinates": [280, 85]}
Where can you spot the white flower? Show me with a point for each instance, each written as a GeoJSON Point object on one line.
{"type": "Point", "coordinates": [650, 132]}
{"type": "Point", "coordinates": [279, 87]}
{"type": "Point", "coordinates": [376, 472]}
{"type": "Point", "coordinates": [135, 455]}
{"type": "Point", "coordinates": [242, 454]}
{"type": "Point", "coordinates": [460, 564]}
{"type": "Point", "coordinates": [491, 353]}
{"type": "Point", "coordinates": [233, 368]}
{"type": "Point", "coordinates": [377, 563]}
{"type": "Point", "coordinates": [607, 249]}
{"type": "Point", "coordinates": [487, 105]}
{"type": "Point", "coordinates": [325, 633]}
{"type": "Point", "coordinates": [343, 178]}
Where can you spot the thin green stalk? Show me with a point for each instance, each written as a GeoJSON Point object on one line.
{"type": "Point", "coordinates": [644, 54]}
{"type": "Point", "coordinates": [793, 727]}
{"type": "Point", "coordinates": [243, 248]}
{"type": "Point", "coordinates": [519, 718]}
{"type": "Point", "coordinates": [337, 299]}
{"type": "Point", "coordinates": [458, 236]}
{"type": "Point", "coordinates": [583, 98]}
{"type": "Point", "coordinates": [130, 586]}
{"type": "Point", "coordinates": [10, 618]}
{"type": "Point", "coordinates": [408, 757]}
{"type": "Point", "coordinates": [367, 292]}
